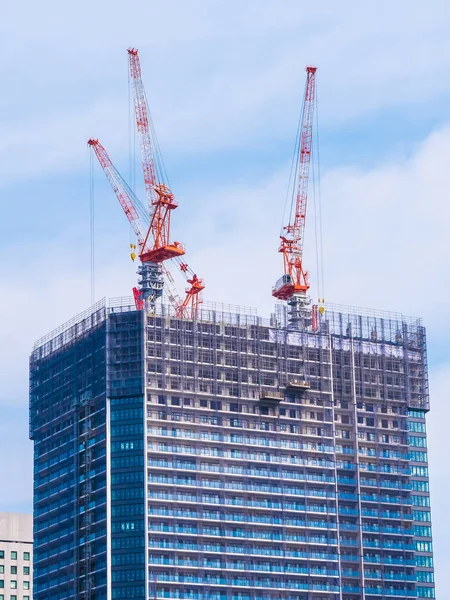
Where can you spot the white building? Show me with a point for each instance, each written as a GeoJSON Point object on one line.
{"type": "Point", "coordinates": [16, 556]}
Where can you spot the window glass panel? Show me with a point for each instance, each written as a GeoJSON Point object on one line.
{"type": "Point", "coordinates": [13, 555]}
{"type": "Point", "coordinates": [26, 556]}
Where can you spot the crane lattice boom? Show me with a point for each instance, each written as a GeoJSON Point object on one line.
{"type": "Point", "coordinates": [159, 197]}
{"type": "Point", "coordinates": [143, 126]}
{"type": "Point", "coordinates": [120, 189]}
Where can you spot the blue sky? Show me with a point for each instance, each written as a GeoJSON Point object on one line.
{"type": "Point", "coordinates": [224, 80]}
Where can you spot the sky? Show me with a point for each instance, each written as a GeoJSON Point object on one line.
{"type": "Point", "coordinates": [224, 80]}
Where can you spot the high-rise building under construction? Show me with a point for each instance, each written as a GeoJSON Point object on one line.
{"type": "Point", "coordinates": [231, 457]}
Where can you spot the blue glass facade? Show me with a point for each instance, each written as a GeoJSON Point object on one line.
{"type": "Point", "coordinates": [68, 427]}
{"type": "Point", "coordinates": [127, 455]}
{"type": "Point", "coordinates": [245, 460]}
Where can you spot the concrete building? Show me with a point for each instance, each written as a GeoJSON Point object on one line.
{"type": "Point", "coordinates": [16, 556]}
{"type": "Point", "coordinates": [231, 457]}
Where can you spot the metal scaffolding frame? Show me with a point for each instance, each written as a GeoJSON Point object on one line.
{"type": "Point", "coordinates": [316, 419]}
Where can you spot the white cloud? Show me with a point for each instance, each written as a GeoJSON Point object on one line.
{"type": "Point", "coordinates": [219, 75]}
{"type": "Point", "coordinates": [53, 288]}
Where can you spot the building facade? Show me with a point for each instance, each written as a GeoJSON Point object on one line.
{"type": "Point", "coordinates": [16, 556]}
{"type": "Point", "coordinates": [231, 457]}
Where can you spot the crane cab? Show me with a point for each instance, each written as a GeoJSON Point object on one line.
{"type": "Point", "coordinates": [284, 287]}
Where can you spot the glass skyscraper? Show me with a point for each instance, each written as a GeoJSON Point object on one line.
{"type": "Point", "coordinates": [231, 457]}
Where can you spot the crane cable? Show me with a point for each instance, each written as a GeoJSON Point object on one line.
{"type": "Point", "coordinates": [131, 152]}
{"type": "Point", "coordinates": [92, 223]}
{"type": "Point", "coordinates": [293, 173]}
{"type": "Point", "coordinates": [317, 201]}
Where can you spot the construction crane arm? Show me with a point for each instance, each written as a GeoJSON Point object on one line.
{"type": "Point", "coordinates": [143, 127]}
{"type": "Point", "coordinates": [121, 189]}
{"type": "Point", "coordinates": [192, 300]}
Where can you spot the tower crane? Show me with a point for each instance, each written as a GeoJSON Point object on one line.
{"type": "Point", "coordinates": [293, 285]}
{"type": "Point", "coordinates": [151, 224]}
{"type": "Point", "coordinates": [160, 199]}
{"type": "Point", "coordinates": [151, 254]}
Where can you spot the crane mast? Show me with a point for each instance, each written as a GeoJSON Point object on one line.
{"type": "Point", "coordinates": [293, 285]}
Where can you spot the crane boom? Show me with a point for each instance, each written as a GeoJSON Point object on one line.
{"type": "Point", "coordinates": [120, 188]}
{"type": "Point", "coordinates": [294, 282]}
{"type": "Point", "coordinates": [143, 126]}
{"type": "Point", "coordinates": [160, 199]}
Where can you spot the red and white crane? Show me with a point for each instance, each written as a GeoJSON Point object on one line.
{"type": "Point", "coordinates": [151, 224]}
{"type": "Point", "coordinates": [152, 269]}
{"type": "Point", "coordinates": [293, 285]}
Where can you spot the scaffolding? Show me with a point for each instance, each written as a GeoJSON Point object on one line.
{"type": "Point", "coordinates": [251, 423]}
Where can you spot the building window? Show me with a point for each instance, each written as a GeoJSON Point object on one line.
{"type": "Point", "coordinates": [417, 471]}
{"type": "Point", "coordinates": [26, 556]}
{"type": "Point", "coordinates": [13, 570]}
{"type": "Point", "coordinates": [2, 569]}
{"type": "Point", "coordinates": [13, 584]}
{"type": "Point", "coordinates": [26, 585]}
{"type": "Point", "coordinates": [2, 554]}
{"type": "Point", "coordinates": [13, 555]}
{"type": "Point", "coordinates": [24, 598]}
{"type": "Point", "coordinates": [26, 570]}
{"type": "Point", "coordinates": [2, 583]}
{"type": "Point", "coordinates": [425, 576]}
{"type": "Point", "coordinates": [425, 592]}
{"type": "Point", "coordinates": [420, 486]}
{"type": "Point", "coordinates": [424, 561]}
{"type": "Point", "coordinates": [13, 597]}
{"type": "Point", "coordinates": [424, 547]}
{"type": "Point", "coordinates": [414, 440]}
